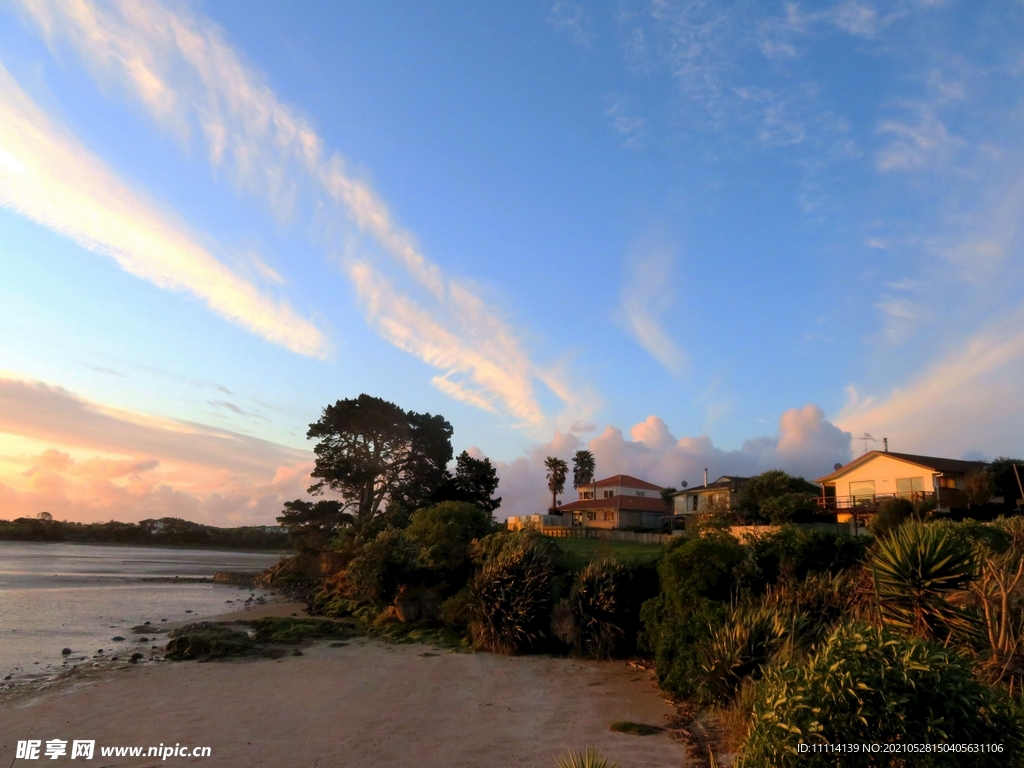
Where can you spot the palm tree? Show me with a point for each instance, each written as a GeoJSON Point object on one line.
{"type": "Point", "coordinates": [557, 472]}
{"type": "Point", "coordinates": [583, 468]}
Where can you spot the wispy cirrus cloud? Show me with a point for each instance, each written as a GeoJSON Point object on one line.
{"type": "Point", "coordinates": [646, 297]}
{"type": "Point", "coordinates": [973, 389]}
{"type": "Point", "coordinates": [180, 68]}
{"type": "Point", "coordinates": [49, 177]}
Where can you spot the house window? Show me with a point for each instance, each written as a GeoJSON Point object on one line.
{"type": "Point", "coordinates": [586, 495]}
{"type": "Point", "coordinates": [609, 494]}
{"type": "Point", "coordinates": [640, 493]}
{"type": "Point", "coordinates": [952, 482]}
{"type": "Point", "coordinates": [609, 515]}
{"type": "Point", "coordinates": [908, 486]}
{"type": "Point", "coordinates": [861, 489]}
{"type": "Point", "coordinates": [691, 503]}
{"type": "Point", "coordinates": [591, 515]}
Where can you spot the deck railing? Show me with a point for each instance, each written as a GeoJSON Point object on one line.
{"type": "Point", "coordinates": [868, 504]}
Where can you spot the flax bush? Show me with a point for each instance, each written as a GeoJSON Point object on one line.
{"type": "Point", "coordinates": [601, 609]}
{"type": "Point", "coordinates": [512, 595]}
{"type": "Point", "coordinates": [869, 685]}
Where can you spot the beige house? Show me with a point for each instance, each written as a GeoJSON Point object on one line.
{"type": "Point", "coordinates": [879, 475]}
{"type": "Point", "coordinates": [620, 501]}
{"type": "Point", "coordinates": [719, 496]}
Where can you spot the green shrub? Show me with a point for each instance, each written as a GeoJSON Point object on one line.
{"type": "Point", "coordinates": [791, 553]}
{"type": "Point", "coordinates": [445, 532]}
{"type": "Point", "coordinates": [513, 595]}
{"type": "Point", "coordinates": [604, 619]}
{"type": "Point", "coordinates": [700, 567]}
{"type": "Point", "coordinates": [674, 635]}
{"type": "Point", "coordinates": [892, 513]}
{"type": "Point", "coordinates": [868, 686]}
{"type": "Point", "coordinates": [917, 569]}
{"type": "Point", "coordinates": [780, 625]}
{"type": "Point", "coordinates": [384, 563]}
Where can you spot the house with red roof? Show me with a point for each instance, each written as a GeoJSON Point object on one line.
{"type": "Point", "coordinates": [617, 502]}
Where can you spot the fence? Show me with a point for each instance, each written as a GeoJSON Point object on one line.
{"type": "Point", "coordinates": [606, 534]}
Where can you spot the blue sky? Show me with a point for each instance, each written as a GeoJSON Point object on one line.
{"type": "Point", "coordinates": [680, 234]}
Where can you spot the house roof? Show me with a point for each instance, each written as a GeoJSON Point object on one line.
{"type": "Point", "coordinates": [725, 481]}
{"type": "Point", "coordinates": [626, 481]}
{"type": "Point", "coordinates": [933, 463]}
{"type": "Point", "coordinates": [635, 503]}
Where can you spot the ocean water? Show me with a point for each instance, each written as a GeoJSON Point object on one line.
{"type": "Point", "coordinates": [81, 596]}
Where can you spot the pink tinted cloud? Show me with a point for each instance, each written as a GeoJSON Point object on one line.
{"type": "Point", "coordinates": [103, 463]}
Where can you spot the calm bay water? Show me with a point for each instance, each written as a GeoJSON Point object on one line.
{"type": "Point", "coordinates": [81, 596]}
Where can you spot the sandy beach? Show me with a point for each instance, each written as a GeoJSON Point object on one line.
{"type": "Point", "coordinates": [366, 703]}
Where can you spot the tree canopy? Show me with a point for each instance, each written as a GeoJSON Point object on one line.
{"type": "Point", "coordinates": [583, 468]}
{"type": "Point", "coordinates": [557, 471]}
{"type": "Point", "coordinates": [311, 525]}
{"type": "Point", "coordinates": [370, 451]}
{"type": "Point", "coordinates": [474, 482]}
{"type": "Point", "coordinates": [777, 496]}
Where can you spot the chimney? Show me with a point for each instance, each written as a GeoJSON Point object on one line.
{"type": "Point", "coordinates": [885, 444]}
{"type": "Point", "coordinates": [705, 477]}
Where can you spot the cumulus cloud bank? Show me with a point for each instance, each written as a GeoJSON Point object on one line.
{"type": "Point", "coordinates": [808, 444]}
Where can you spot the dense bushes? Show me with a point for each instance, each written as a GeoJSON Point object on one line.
{"type": "Point", "coordinates": [601, 610]}
{"type": "Point", "coordinates": [722, 605]}
{"type": "Point", "coordinates": [512, 595]}
{"type": "Point", "coordinates": [792, 554]}
{"type": "Point", "coordinates": [867, 685]}
{"type": "Point", "coordinates": [892, 513]}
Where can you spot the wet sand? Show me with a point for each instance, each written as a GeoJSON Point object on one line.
{"type": "Point", "coordinates": [367, 703]}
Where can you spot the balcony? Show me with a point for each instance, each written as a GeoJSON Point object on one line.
{"type": "Point", "coordinates": [869, 504]}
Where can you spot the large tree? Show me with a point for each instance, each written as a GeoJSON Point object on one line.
{"type": "Point", "coordinates": [557, 471]}
{"type": "Point", "coordinates": [371, 451]}
{"type": "Point", "coordinates": [474, 481]}
{"type": "Point", "coordinates": [311, 525]}
{"type": "Point", "coordinates": [583, 468]}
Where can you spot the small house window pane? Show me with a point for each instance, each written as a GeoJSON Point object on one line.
{"type": "Point", "coordinates": [609, 515]}
{"type": "Point", "coordinates": [905, 486]}
{"type": "Point", "coordinates": [862, 488]}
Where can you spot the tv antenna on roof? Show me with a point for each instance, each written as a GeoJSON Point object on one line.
{"type": "Point", "coordinates": [865, 438]}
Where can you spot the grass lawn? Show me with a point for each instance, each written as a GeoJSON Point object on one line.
{"type": "Point", "coordinates": [579, 552]}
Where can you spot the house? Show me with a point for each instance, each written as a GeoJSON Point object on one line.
{"type": "Point", "coordinates": [620, 501]}
{"type": "Point", "coordinates": [879, 475]}
{"type": "Point", "coordinates": [710, 498]}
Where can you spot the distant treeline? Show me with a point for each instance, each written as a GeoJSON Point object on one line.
{"type": "Point", "coordinates": [167, 531]}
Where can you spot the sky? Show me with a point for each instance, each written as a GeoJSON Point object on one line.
{"type": "Point", "coordinates": [734, 235]}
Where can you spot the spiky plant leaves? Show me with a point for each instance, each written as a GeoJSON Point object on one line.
{"type": "Point", "coordinates": [866, 684]}
{"type": "Point", "coordinates": [599, 605]}
{"type": "Point", "coordinates": [512, 598]}
{"type": "Point", "coordinates": [588, 759]}
{"type": "Point", "coordinates": [739, 649]}
{"type": "Point", "coordinates": [918, 569]}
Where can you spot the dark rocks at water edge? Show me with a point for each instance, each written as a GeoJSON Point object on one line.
{"type": "Point", "coordinates": [247, 580]}
{"type": "Point", "coordinates": [118, 639]}
{"type": "Point", "coordinates": [207, 640]}
{"type": "Point", "coordinates": [65, 652]}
